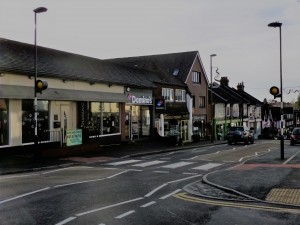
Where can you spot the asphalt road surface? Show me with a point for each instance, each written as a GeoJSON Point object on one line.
{"type": "Point", "coordinates": [141, 190]}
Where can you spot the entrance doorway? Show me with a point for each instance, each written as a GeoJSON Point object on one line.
{"type": "Point", "coordinates": [184, 132]}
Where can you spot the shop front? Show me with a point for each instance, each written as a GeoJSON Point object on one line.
{"type": "Point", "coordinates": [138, 114]}
{"type": "Point", "coordinates": [173, 120]}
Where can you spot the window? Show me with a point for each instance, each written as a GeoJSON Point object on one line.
{"type": "Point", "coordinates": [179, 95]}
{"type": "Point", "coordinates": [175, 72]}
{"type": "Point", "coordinates": [196, 77]}
{"type": "Point", "coordinates": [28, 123]}
{"type": "Point", "coordinates": [104, 118]}
{"type": "Point", "coordinates": [202, 102]}
{"type": "Point", "coordinates": [168, 94]}
{"type": "Point", "coordinates": [4, 122]}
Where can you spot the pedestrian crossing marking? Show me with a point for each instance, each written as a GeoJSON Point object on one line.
{"type": "Point", "coordinates": [123, 162]}
{"type": "Point", "coordinates": [176, 165]}
{"type": "Point", "coordinates": [151, 163]}
{"type": "Point", "coordinates": [207, 166]}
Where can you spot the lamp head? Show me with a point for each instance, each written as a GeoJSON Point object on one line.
{"type": "Point", "coordinates": [40, 10]}
{"type": "Point", "coordinates": [213, 55]}
{"type": "Point", "coordinates": [274, 24]}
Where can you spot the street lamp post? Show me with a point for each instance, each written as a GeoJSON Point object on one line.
{"type": "Point", "coordinates": [37, 10]}
{"type": "Point", "coordinates": [211, 99]}
{"type": "Point", "coordinates": [275, 25]}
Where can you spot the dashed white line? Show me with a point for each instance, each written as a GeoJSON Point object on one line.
{"type": "Point", "coordinates": [125, 214]}
{"type": "Point", "coordinates": [148, 204]}
{"type": "Point", "coordinates": [151, 163]}
{"type": "Point", "coordinates": [161, 171]}
{"type": "Point", "coordinates": [123, 162]}
{"type": "Point", "coordinates": [107, 207]}
{"type": "Point", "coordinates": [79, 182]}
{"type": "Point", "coordinates": [176, 165]}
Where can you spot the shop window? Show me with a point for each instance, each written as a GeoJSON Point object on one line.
{"type": "Point", "coordinates": [104, 118]}
{"type": "Point", "coordinates": [28, 123]}
{"type": "Point", "coordinates": [3, 122]}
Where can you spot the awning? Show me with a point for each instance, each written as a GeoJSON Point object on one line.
{"type": "Point", "coordinates": [23, 92]}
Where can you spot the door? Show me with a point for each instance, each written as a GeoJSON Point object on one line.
{"type": "Point", "coordinates": [184, 132]}
{"type": "Point", "coordinates": [65, 119]}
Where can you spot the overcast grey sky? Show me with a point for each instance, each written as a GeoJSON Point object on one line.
{"type": "Point", "coordinates": [236, 30]}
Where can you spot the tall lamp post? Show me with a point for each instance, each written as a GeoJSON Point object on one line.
{"type": "Point", "coordinates": [211, 99]}
{"type": "Point", "coordinates": [275, 25]}
{"type": "Point", "coordinates": [36, 11]}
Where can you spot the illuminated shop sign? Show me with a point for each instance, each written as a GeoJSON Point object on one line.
{"type": "Point", "coordinates": [140, 100]}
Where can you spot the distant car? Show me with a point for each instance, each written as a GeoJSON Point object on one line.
{"type": "Point", "coordinates": [240, 134]}
{"type": "Point", "coordinates": [295, 136]}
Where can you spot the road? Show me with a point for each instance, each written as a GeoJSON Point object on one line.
{"type": "Point", "coordinates": [140, 190]}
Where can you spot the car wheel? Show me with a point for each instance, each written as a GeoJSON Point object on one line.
{"type": "Point", "coordinates": [292, 143]}
{"type": "Point", "coordinates": [229, 142]}
{"type": "Point", "coordinates": [246, 142]}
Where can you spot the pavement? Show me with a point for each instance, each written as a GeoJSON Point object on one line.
{"type": "Point", "coordinates": [265, 178]}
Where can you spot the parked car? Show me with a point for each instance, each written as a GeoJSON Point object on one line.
{"type": "Point", "coordinates": [295, 136]}
{"type": "Point", "coordinates": [240, 134]}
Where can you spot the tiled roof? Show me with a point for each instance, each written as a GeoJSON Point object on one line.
{"type": "Point", "coordinates": [17, 57]}
{"type": "Point", "coordinates": [166, 64]}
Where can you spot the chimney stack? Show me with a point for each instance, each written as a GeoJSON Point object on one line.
{"type": "Point", "coordinates": [240, 86]}
{"type": "Point", "coordinates": [224, 81]}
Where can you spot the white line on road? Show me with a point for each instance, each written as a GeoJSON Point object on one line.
{"type": "Point", "coordinates": [123, 162]}
{"type": "Point", "coordinates": [155, 190]}
{"type": "Point", "coordinates": [168, 195]}
{"type": "Point", "coordinates": [24, 195]}
{"type": "Point", "coordinates": [189, 173]}
{"type": "Point", "coordinates": [54, 171]}
{"type": "Point", "coordinates": [187, 178]}
{"type": "Point", "coordinates": [125, 214]}
{"type": "Point", "coordinates": [117, 174]}
{"type": "Point", "coordinates": [289, 159]}
{"type": "Point", "coordinates": [207, 166]}
{"type": "Point", "coordinates": [160, 171]}
{"type": "Point", "coordinates": [79, 182]}
{"type": "Point", "coordinates": [66, 221]}
{"type": "Point", "coordinates": [107, 207]}
{"type": "Point", "coordinates": [148, 204]}
{"type": "Point", "coordinates": [151, 163]}
{"type": "Point", "coordinates": [176, 165]}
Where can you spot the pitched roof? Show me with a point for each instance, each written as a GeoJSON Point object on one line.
{"type": "Point", "coordinates": [166, 64]}
{"type": "Point", "coordinates": [17, 57]}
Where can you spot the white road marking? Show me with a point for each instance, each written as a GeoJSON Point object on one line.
{"type": "Point", "coordinates": [289, 159]}
{"type": "Point", "coordinates": [207, 166]}
{"type": "Point", "coordinates": [186, 178]}
{"type": "Point", "coordinates": [24, 195]}
{"type": "Point", "coordinates": [17, 176]}
{"type": "Point", "coordinates": [58, 170]}
{"type": "Point", "coordinates": [125, 214]}
{"type": "Point", "coordinates": [165, 158]}
{"type": "Point", "coordinates": [173, 193]}
{"type": "Point", "coordinates": [151, 163]}
{"type": "Point", "coordinates": [117, 174]}
{"type": "Point", "coordinates": [148, 204]}
{"type": "Point", "coordinates": [79, 182]}
{"type": "Point", "coordinates": [155, 190]}
{"type": "Point", "coordinates": [107, 207]}
{"type": "Point", "coordinates": [123, 162]}
{"type": "Point", "coordinates": [66, 221]}
{"type": "Point", "coordinates": [176, 165]}
{"type": "Point", "coordinates": [161, 171]}
{"type": "Point", "coordinates": [189, 173]}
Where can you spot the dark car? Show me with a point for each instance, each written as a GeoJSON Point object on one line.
{"type": "Point", "coordinates": [240, 134]}
{"type": "Point", "coordinates": [295, 136]}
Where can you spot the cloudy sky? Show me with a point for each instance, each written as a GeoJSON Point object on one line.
{"type": "Point", "coordinates": [236, 30]}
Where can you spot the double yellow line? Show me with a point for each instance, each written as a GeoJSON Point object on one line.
{"type": "Point", "coordinates": [185, 197]}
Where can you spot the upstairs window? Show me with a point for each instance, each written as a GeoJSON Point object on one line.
{"type": "Point", "coordinates": [196, 77]}
{"type": "Point", "coordinates": [168, 94]}
{"type": "Point", "coordinates": [180, 95]}
{"type": "Point", "coordinates": [202, 102]}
